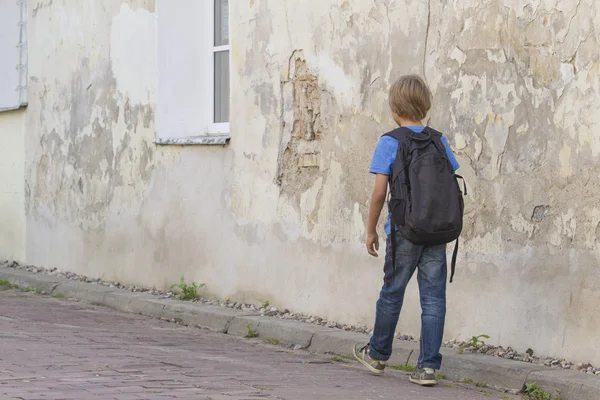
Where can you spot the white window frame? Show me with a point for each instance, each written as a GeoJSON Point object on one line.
{"type": "Point", "coordinates": [13, 55]}
{"type": "Point", "coordinates": [186, 98]}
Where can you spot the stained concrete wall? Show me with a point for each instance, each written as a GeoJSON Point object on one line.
{"type": "Point", "coordinates": [280, 213]}
{"type": "Point", "coordinates": [12, 185]}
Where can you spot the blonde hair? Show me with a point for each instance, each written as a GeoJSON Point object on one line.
{"type": "Point", "coordinates": [410, 97]}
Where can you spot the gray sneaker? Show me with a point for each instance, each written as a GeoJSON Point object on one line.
{"type": "Point", "coordinates": [423, 377]}
{"type": "Point", "coordinates": [361, 353]}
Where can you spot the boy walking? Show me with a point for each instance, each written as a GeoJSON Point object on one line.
{"type": "Point", "coordinates": [410, 100]}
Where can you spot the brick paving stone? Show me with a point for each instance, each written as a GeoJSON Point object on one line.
{"type": "Point", "coordinates": [54, 349]}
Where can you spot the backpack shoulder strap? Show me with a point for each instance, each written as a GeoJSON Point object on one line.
{"type": "Point", "coordinates": [453, 264]}
{"type": "Point", "coordinates": [402, 135]}
{"type": "Point", "coordinates": [432, 131]}
{"type": "Point", "coordinates": [399, 133]}
{"type": "Point", "coordinates": [437, 139]}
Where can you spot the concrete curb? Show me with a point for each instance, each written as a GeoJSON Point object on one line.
{"type": "Point", "coordinates": [493, 371]}
{"type": "Point", "coordinates": [567, 385]}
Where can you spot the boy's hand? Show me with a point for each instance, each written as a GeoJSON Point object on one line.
{"type": "Point", "coordinates": [373, 244]}
{"type": "Point", "coordinates": [377, 201]}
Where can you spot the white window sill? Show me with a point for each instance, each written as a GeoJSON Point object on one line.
{"type": "Point", "coordinates": [216, 134]}
{"type": "Point", "coordinates": [212, 140]}
{"type": "Point", "coordinates": [6, 109]}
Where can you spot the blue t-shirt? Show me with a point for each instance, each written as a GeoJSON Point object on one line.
{"type": "Point", "coordinates": [385, 155]}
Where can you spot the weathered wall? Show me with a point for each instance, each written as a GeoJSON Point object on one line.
{"type": "Point", "coordinates": [12, 185]}
{"type": "Point", "coordinates": [280, 213]}
{"type": "Point", "coordinates": [517, 83]}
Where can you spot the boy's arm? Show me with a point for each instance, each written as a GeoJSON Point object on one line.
{"type": "Point", "coordinates": [377, 202]}
{"type": "Point", "coordinates": [450, 154]}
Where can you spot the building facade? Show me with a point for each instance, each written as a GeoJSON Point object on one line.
{"type": "Point", "coordinates": [229, 143]}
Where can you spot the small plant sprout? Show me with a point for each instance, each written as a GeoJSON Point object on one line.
{"type": "Point", "coordinates": [473, 342]}
{"type": "Point", "coordinates": [188, 291]}
{"type": "Point", "coordinates": [536, 393]}
{"type": "Point", "coordinates": [250, 332]}
{"type": "Point", "coordinates": [477, 340]}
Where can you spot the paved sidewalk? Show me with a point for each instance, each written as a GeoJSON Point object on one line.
{"type": "Point", "coordinates": [59, 349]}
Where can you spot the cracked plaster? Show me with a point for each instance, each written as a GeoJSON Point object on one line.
{"type": "Point", "coordinates": [280, 213]}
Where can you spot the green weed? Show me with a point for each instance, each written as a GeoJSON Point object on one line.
{"type": "Point", "coordinates": [476, 340]}
{"type": "Point", "coordinates": [475, 383]}
{"type": "Point", "coordinates": [405, 368]}
{"type": "Point", "coordinates": [250, 332]}
{"type": "Point", "coordinates": [188, 291]}
{"type": "Point", "coordinates": [451, 386]}
{"type": "Point", "coordinates": [473, 342]}
{"type": "Point", "coordinates": [536, 393]}
{"type": "Point", "coordinates": [7, 284]}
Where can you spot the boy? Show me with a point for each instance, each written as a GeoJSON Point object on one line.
{"type": "Point", "coordinates": [409, 100]}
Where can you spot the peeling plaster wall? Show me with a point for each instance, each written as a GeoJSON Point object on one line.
{"type": "Point", "coordinates": [12, 185]}
{"type": "Point", "coordinates": [280, 213]}
{"type": "Point", "coordinates": [518, 87]}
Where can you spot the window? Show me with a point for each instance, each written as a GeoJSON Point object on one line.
{"type": "Point", "coordinates": [193, 72]}
{"type": "Point", "coordinates": [13, 54]}
{"type": "Point", "coordinates": [221, 51]}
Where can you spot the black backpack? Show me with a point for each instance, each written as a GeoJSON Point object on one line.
{"type": "Point", "coordinates": [426, 202]}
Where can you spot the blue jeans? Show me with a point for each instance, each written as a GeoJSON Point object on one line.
{"type": "Point", "coordinates": [431, 262]}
